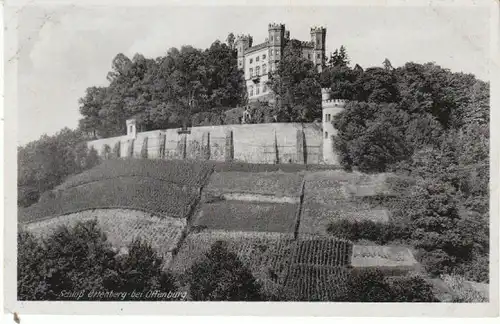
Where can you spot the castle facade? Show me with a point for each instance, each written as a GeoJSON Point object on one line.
{"type": "Point", "coordinates": [258, 60]}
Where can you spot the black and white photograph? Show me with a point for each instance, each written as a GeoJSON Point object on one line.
{"type": "Point", "coordinates": [255, 152]}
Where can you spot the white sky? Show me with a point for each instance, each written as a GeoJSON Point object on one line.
{"type": "Point", "coordinates": [67, 49]}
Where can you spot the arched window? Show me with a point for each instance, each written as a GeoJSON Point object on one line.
{"type": "Point", "coordinates": [130, 129]}
{"type": "Point", "coordinates": [251, 72]}
{"type": "Point", "coordinates": [250, 91]}
{"type": "Point", "coordinates": [257, 71]}
{"type": "Point", "coordinates": [264, 69]}
{"type": "Point", "coordinates": [257, 88]}
{"type": "Point", "coordinates": [326, 134]}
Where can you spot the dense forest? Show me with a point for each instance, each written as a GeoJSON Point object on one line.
{"type": "Point", "coordinates": [419, 120]}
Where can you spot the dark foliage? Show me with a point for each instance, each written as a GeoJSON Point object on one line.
{"type": "Point", "coordinates": [373, 286]}
{"type": "Point", "coordinates": [79, 259]}
{"type": "Point", "coordinates": [45, 163]}
{"type": "Point", "coordinates": [379, 233]}
{"type": "Point", "coordinates": [221, 276]}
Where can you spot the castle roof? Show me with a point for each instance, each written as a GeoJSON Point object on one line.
{"type": "Point", "coordinates": [257, 47]}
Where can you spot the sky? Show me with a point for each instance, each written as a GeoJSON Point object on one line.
{"type": "Point", "coordinates": [64, 50]}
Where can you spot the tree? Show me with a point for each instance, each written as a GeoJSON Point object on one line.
{"type": "Point", "coordinates": [139, 269]}
{"type": "Point", "coordinates": [45, 163]}
{"type": "Point", "coordinates": [339, 58]}
{"type": "Point", "coordinates": [387, 65]}
{"type": "Point", "coordinates": [81, 259]}
{"type": "Point", "coordinates": [296, 85]}
{"type": "Point", "coordinates": [221, 276]}
{"type": "Point", "coordinates": [230, 40]}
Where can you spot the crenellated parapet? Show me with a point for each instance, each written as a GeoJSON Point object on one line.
{"type": "Point", "coordinates": [275, 26]}
{"type": "Point", "coordinates": [306, 44]}
{"type": "Point", "coordinates": [318, 29]}
{"type": "Point", "coordinates": [339, 102]}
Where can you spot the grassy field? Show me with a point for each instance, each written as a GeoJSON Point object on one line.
{"type": "Point", "coordinates": [158, 197]}
{"type": "Point", "coordinates": [247, 216]}
{"type": "Point", "coordinates": [266, 183]}
{"type": "Point", "coordinates": [183, 173]}
{"type": "Point", "coordinates": [122, 227]}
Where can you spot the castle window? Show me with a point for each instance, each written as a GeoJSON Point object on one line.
{"type": "Point", "coordinates": [264, 69]}
{"type": "Point", "coordinates": [250, 91]}
{"type": "Point", "coordinates": [251, 72]}
{"type": "Point", "coordinates": [263, 56]}
{"type": "Point", "coordinates": [257, 59]}
{"type": "Point", "coordinates": [130, 129]}
{"type": "Point", "coordinates": [257, 90]}
{"type": "Point", "coordinates": [326, 134]}
{"type": "Point", "coordinates": [257, 71]}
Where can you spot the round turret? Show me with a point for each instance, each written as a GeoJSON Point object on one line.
{"type": "Point", "coordinates": [331, 107]}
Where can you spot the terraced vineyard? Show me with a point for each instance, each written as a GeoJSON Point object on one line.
{"type": "Point", "coordinates": [277, 184]}
{"type": "Point", "coordinates": [276, 259]}
{"type": "Point", "coordinates": [247, 216]}
{"type": "Point", "coordinates": [331, 196]}
{"type": "Point", "coordinates": [122, 227]}
{"type": "Point", "coordinates": [266, 254]}
{"type": "Point", "coordinates": [179, 172]}
{"type": "Point", "coordinates": [154, 196]}
{"type": "Point", "coordinates": [317, 283]}
{"type": "Point", "coordinates": [323, 252]}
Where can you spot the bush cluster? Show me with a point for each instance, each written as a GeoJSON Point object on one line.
{"type": "Point", "coordinates": [373, 286]}
{"type": "Point", "coordinates": [80, 259]}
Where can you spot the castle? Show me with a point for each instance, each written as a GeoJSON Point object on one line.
{"type": "Point", "coordinates": [271, 143]}
{"type": "Point", "coordinates": [257, 61]}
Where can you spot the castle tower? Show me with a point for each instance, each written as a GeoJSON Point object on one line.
{"type": "Point", "coordinates": [331, 107]}
{"type": "Point", "coordinates": [131, 128]}
{"type": "Point", "coordinates": [243, 42]}
{"type": "Point", "coordinates": [318, 38]}
{"type": "Point", "coordinates": [276, 42]}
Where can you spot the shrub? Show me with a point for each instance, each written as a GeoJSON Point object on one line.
{"type": "Point", "coordinates": [463, 292]}
{"type": "Point", "coordinates": [410, 288]}
{"type": "Point", "coordinates": [31, 254]}
{"type": "Point", "coordinates": [373, 286]}
{"type": "Point", "coordinates": [139, 270]}
{"type": "Point", "coordinates": [437, 262]}
{"type": "Point", "coordinates": [80, 259]}
{"type": "Point", "coordinates": [368, 230]}
{"type": "Point", "coordinates": [366, 286]}
{"type": "Point", "coordinates": [221, 276]}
